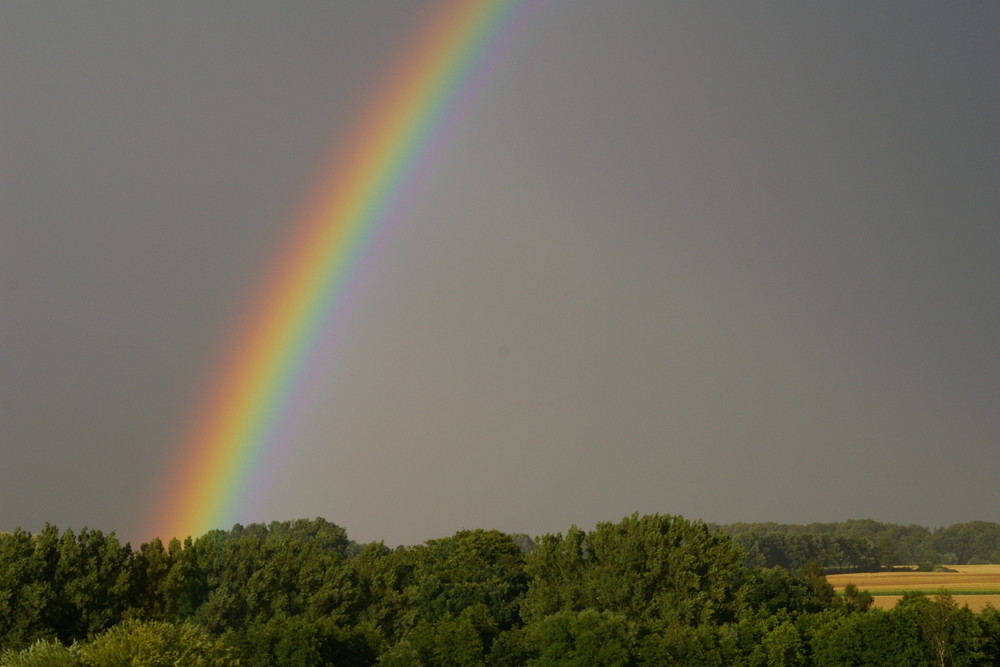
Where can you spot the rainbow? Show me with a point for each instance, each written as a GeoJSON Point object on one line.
{"type": "Point", "coordinates": [256, 389]}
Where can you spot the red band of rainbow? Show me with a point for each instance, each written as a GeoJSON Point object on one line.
{"type": "Point", "coordinates": [396, 133]}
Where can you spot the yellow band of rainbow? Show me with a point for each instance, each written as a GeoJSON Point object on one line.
{"type": "Point", "coordinates": [238, 421]}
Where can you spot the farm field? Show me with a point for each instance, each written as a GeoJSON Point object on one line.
{"type": "Point", "coordinates": [972, 585]}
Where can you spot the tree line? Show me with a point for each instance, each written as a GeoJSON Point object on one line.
{"type": "Point", "coordinates": [863, 544]}
{"type": "Point", "coordinates": [646, 590]}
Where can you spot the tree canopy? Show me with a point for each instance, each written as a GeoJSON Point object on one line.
{"type": "Point", "coordinates": [645, 590]}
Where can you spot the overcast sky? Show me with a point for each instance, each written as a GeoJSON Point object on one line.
{"type": "Point", "coordinates": [733, 261]}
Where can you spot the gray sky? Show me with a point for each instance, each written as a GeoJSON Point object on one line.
{"type": "Point", "coordinates": [734, 261]}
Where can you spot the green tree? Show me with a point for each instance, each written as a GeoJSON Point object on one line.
{"type": "Point", "coordinates": [587, 638]}
{"type": "Point", "coordinates": [301, 642]}
{"type": "Point", "coordinates": [258, 576]}
{"type": "Point", "coordinates": [776, 589]}
{"type": "Point", "coordinates": [186, 585]}
{"type": "Point", "coordinates": [870, 638]}
{"type": "Point", "coordinates": [781, 647]}
{"type": "Point", "coordinates": [384, 578]}
{"type": "Point", "coordinates": [509, 649]}
{"type": "Point", "coordinates": [471, 567]}
{"type": "Point", "coordinates": [856, 600]}
{"type": "Point", "coordinates": [61, 586]}
{"type": "Point", "coordinates": [93, 580]}
{"type": "Point", "coordinates": [150, 599]}
{"type": "Point", "coordinates": [951, 634]}
{"type": "Point", "coordinates": [887, 554]}
{"type": "Point", "coordinates": [676, 644]}
{"type": "Point", "coordinates": [463, 640]}
{"type": "Point", "coordinates": [989, 630]}
{"type": "Point", "coordinates": [822, 591]}
{"type": "Point", "coordinates": [557, 567]}
{"type": "Point", "coordinates": [449, 640]}
{"type": "Point", "coordinates": [156, 644]}
{"type": "Point", "coordinates": [655, 568]}
{"type": "Point", "coordinates": [27, 592]}
{"type": "Point", "coordinates": [967, 541]}
{"type": "Point", "coordinates": [41, 654]}
{"type": "Point", "coordinates": [938, 622]}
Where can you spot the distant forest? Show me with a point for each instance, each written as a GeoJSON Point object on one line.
{"type": "Point", "coordinates": [863, 544]}
{"type": "Point", "coordinates": [646, 590]}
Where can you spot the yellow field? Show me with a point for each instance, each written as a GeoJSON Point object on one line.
{"type": "Point", "coordinates": [963, 584]}
{"type": "Point", "coordinates": [975, 603]}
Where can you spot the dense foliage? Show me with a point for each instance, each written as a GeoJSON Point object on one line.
{"type": "Point", "coordinates": [863, 544]}
{"type": "Point", "coordinates": [647, 590]}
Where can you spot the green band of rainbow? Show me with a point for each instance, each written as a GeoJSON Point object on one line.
{"type": "Point", "coordinates": [240, 419]}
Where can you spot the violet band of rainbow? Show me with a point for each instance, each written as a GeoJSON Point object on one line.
{"type": "Point", "coordinates": [240, 422]}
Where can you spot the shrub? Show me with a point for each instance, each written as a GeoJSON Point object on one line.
{"type": "Point", "coordinates": [156, 644]}
{"type": "Point", "coordinates": [41, 654]}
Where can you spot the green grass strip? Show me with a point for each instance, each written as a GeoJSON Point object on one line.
{"type": "Point", "coordinates": [929, 592]}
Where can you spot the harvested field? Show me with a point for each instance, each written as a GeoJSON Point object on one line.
{"type": "Point", "coordinates": [974, 585]}
{"type": "Point", "coordinates": [975, 603]}
{"type": "Point", "coordinates": [966, 578]}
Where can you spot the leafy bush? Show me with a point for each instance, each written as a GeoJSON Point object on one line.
{"type": "Point", "coordinates": [156, 644]}
{"type": "Point", "coordinates": [41, 654]}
